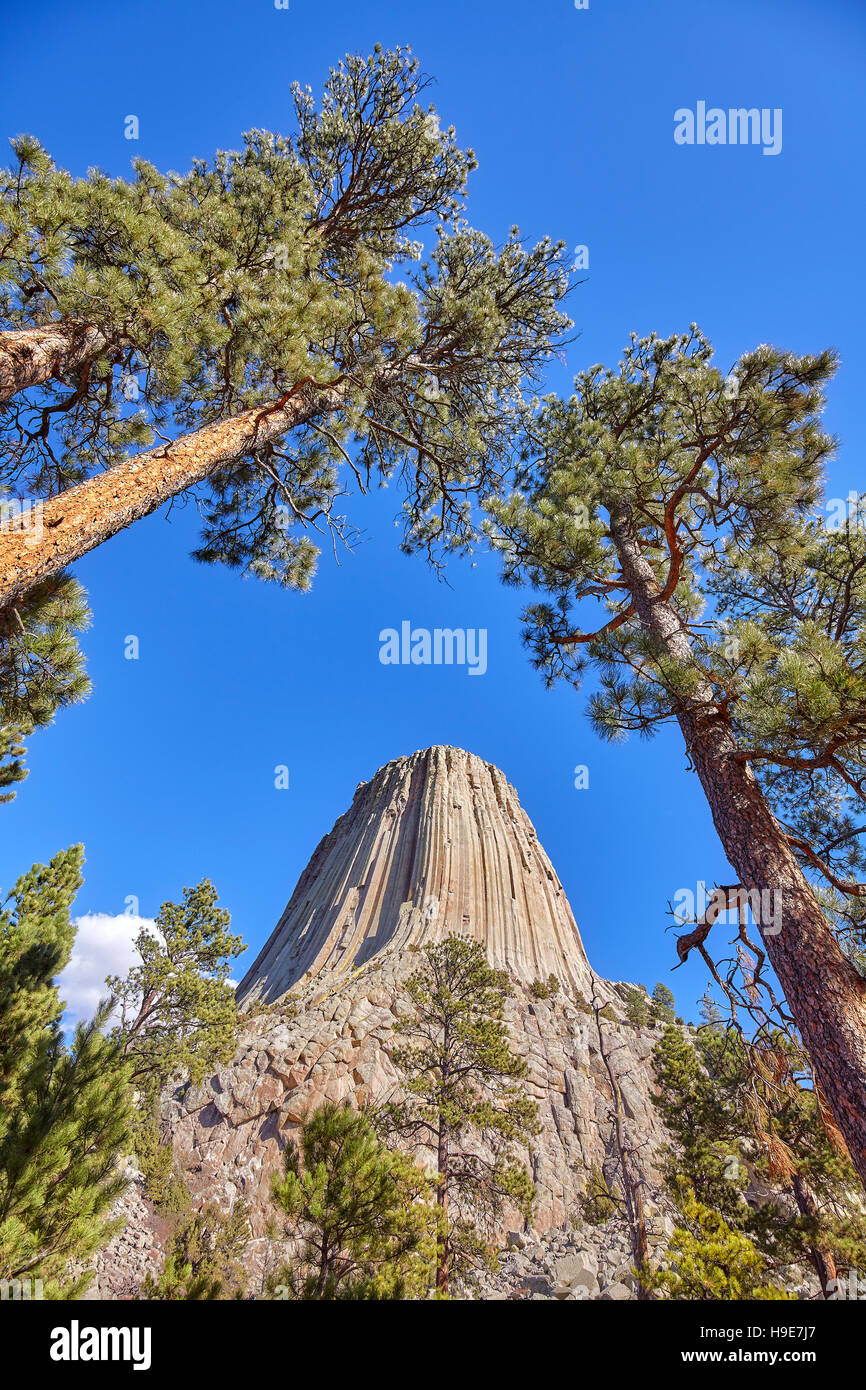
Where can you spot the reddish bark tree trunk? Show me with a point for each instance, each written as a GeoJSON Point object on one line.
{"type": "Point", "coordinates": [825, 993]}
{"type": "Point", "coordinates": [94, 511]}
{"type": "Point", "coordinates": [31, 356]}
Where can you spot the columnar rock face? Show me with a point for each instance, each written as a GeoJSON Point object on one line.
{"type": "Point", "coordinates": [435, 843]}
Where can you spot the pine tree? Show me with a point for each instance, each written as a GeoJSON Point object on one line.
{"type": "Point", "coordinates": [359, 1213]}
{"type": "Point", "coordinates": [663, 1004]}
{"type": "Point", "coordinates": [271, 350]}
{"type": "Point", "coordinates": [737, 1108]}
{"type": "Point", "coordinates": [176, 1282]}
{"type": "Point", "coordinates": [660, 487]}
{"type": "Point", "coordinates": [707, 1259]}
{"type": "Point", "coordinates": [41, 667]}
{"type": "Point", "coordinates": [637, 1005]}
{"type": "Point", "coordinates": [64, 1110]}
{"type": "Point", "coordinates": [204, 1257]}
{"type": "Point", "coordinates": [460, 1096]}
{"type": "Point", "coordinates": [12, 754]}
{"type": "Point", "coordinates": [162, 1181]}
{"type": "Point", "coordinates": [177, 1008]}
{"type": "Point", "coordinates": [709, 1010]}
{"type": "Point", "coordinates": [704, 1126]}
{"type": "Point", "coordinates": [545, 989]}
{"type": "Point", "coordinates": [94, 274]}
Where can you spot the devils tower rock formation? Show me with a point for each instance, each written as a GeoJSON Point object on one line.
{"type": "Point", "coordinates": [435, 843]}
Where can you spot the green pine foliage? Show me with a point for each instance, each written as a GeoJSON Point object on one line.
{"type": "Point", "coordinates": [792, 609]}
{"type": "Point", "coordinates": [41, 667]}
{"type": "Point", "coordinates": [154, 1155]}
{"type": "Point", "coordinates": [738, 1110]}
{"type": "Point", "coordinates": [723, 476]}
{"type": "Point", "coordinates": [461, 1098]}
{"type": "Point", "coordinates": [12, 754]}
{"type": "Point", "coordinates": [545, 989]}
{"type": "Point", "coordinates": [706, 1148]}
{"type": "Point", "coordinates": [176, 1282]}
{"type": "Point", "coordinates": [204, 1257]}
{"type": "Point", "coordinates": [598, 1203]}
{"type": "Point", "coordinates": [637, 1005]}
{"type": "Point", "coordinates": [663, 1005]}
{"type": "Point", "coordinates": [708, 1260]}
{"type": "Point", "coordinates": [177, 1006]}
{"type": "Point", "coordinates": [64, 1107]}
{"type": "Point", "coordinates": [359, 1214]}
{"type": "Point", "coordinates": [294, 259]}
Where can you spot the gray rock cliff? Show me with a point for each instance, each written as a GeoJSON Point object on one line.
{"type": "Point", "coordinates": [435, 843]}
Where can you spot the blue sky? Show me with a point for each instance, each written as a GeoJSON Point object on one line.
{"type": "Point", "coordinates": [167, 773]}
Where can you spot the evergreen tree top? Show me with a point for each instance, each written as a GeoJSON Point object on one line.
{"type": "Point", "coordinates": [269, 267]}
{"type": "Point", "coordinates": [717, 479]}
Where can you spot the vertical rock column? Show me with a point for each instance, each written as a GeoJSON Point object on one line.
{"type": "Point", "coordinates": [435, 843]}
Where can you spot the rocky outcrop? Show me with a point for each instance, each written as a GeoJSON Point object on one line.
{"type": "Point", "coordinates": [337, 1042]}
{"type": "Point", "coordinates": [435, 843]}
{"type": "Point", "coordinates": [576, 1263]}
{"type": "Point", "coordinates": [136, 1251]}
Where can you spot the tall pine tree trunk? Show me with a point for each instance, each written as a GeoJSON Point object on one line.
{"type": "Point", "coordinates": [31, 356]}
{"type": "Point", "coordinates": [825, 993]}
{"type": "Point", "coordinates": [92, 512]}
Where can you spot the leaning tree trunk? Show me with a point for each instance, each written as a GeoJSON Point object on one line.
{"type": "Point", "coordinates": [825, 993]}
{"type": "Point", "coordinates": [92, 512]}
{"type": "Point", "coordinates": [31, 356]}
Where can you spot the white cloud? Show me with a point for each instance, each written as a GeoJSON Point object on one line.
{"type": "Point", "coordinates": [104, 945]}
